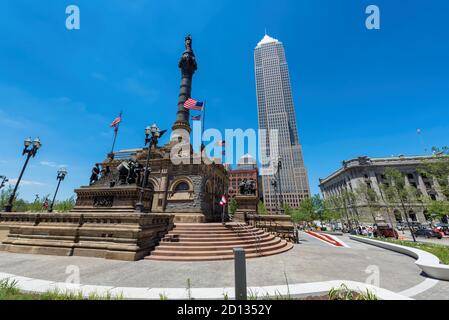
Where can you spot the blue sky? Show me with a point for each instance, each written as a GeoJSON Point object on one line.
{"type": "Point", "coordinates": [356, 92]}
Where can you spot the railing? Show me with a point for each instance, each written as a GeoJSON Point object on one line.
{"type": "Point", "coordinates": [272, 226]}
{"type": "Point", "coordinates": [257, 238]}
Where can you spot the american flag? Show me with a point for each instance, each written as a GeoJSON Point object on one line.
{"type": "Point", "coordinates": [223, 200]}
{"type": "Point", "coordinates": [191, 104]}
{"type": "Point", "coordinates": [116, 122]}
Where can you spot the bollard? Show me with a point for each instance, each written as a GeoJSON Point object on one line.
{"type": "Point", "coordinates": [240, 274]}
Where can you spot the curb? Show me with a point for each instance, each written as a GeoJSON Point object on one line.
{"type": "Point", "coordinates": [427, 262]}
{"type": "Point", "coordinates": [30, 285]}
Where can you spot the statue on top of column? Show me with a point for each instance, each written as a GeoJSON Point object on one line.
{"type": "Point", "coordinates": [188, 62]}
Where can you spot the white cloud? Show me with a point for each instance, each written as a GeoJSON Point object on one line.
{"type": "Point", "coordinates": [26, 182]}
{"type": "Point", "coordinates": [53, 164]}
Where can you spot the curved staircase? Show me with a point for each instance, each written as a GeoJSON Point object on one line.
{"type": "Point", "coordinates": [213, 241]}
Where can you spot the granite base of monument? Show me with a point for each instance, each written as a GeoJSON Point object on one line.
{"type": "Point", "coordinates": [127, 236]}
{"type": "Point", "coordinates": [246, 205]}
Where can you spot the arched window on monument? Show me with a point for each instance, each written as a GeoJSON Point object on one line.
{"type": "Point", "coordinates": [182, 187]}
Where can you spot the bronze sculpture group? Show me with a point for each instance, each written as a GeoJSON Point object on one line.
{"type": "Point", "coordinates": [247, 187]}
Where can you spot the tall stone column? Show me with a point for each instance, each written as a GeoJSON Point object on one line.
{"type": "Point", "coordinates": [188, 66]}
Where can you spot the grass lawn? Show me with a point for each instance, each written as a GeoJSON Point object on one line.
{"type": "Point", "coordinates": [9, 291]}
{"type": "Point", "coordinates": [441, 251]}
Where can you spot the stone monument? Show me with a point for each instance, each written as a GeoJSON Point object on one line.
{"type": "Point", "coordinates": [105, 222]}
{"type": "Point", "coordinates": [247, 199]}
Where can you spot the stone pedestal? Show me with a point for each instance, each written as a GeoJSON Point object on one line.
{"type": "Point", "coordinates": [109, 199]}
{"type": "Point", "coordinates": [128, 236]}
{"type": "Point", "coordinates": [246, 204]}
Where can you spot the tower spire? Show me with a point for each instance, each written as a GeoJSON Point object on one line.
{"type": "Point", "coordinates": [188, 66]}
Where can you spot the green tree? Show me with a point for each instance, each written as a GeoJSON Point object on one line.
{"type": "Point", "coordinates": [335, 203]}
{"type": "Point", "coordinates": [368, 197]}
{"type": "Point", "coordinates": [398, 193]}
{"type": "Point", "coordinates": [438, 169]}
{"type": "Point", "coordinates": [287, 209]}
{"type": "Point", "coordinates": [261, 208]}
{"type": "Point", "coordinates": [305, 212]}
{"type": "Point", "coordinates": [65, 205]}
{"type": "Point", "coordinates": [5, 194]}
{"type": "Point", "coordinates": [437, 208]}
{"type": "Point", "coordinates": [233, 206]}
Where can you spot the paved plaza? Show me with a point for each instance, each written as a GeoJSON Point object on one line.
{"type": "Point", "coordinates": [310, 261]}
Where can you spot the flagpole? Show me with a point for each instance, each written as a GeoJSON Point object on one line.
{"type": "Point", "coordinates": [202, 124]}
{"type": "Point", "coordinates": [115, 134]}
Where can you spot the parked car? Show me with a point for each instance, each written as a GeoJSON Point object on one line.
{"type": "Point", "coordinates": [444, 227]}
{"type": "Point", "coordinates": [386, 232]}
{"type": "Point", "coordinates": [428, 233]}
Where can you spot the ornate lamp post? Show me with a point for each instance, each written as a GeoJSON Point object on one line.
{"type": "Point", "coordinates": [281, 200]}
{"type": "Point", "coordinates": [274, 183]}
{"type": "Point", "coordinates": [3, 181]}
{"type": "Point", "coordinates": [61, 175]}
{"type": "Point", "coordinates": [30, 149]}
{"type": "Point", "coordinates": [152, 135]}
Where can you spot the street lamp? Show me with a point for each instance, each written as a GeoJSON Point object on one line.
{"type": "Point", "coordinates": [275, 184]}
{"type": "Point", "coordinates": [281, 200]}
{"type": "Point", "coordinates": [3, 181]}
{"type": "Point", "coordinates": [30, 149]}
{"type": "Point", "coordinates": [152, 135]}
{"type": "Point", "coordinates": [61, 175]}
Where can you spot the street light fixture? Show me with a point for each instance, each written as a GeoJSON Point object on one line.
{"type": "Point", "coordinates": [274, 183]}
{"type": "Point", "coordinates": [3, 181]}
{"type": "Point", "coordinates": [30, 149]}
{"type": "Point", "coordinates": [61, 176]}
{"type": "Point", "coordinates": [152, 135]}
{"type": "Point", "coordinates": [281, 200]}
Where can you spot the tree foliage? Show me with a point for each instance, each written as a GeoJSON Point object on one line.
{"type": "Point", "coordinates": [233, 206]}
{"type": "Point", "coordinates": [261, 208]}
{"type": "Point", "coordinates": [438, 169]}
{"type": "Point", "coordinates": [20, 205]}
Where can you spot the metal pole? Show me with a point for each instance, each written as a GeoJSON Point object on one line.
{"type": "Point", "coordinates": [54, 197]}
{"type": "Point", "coordinates": [240, 274]}
{"type": "Point", "coordinates": [281, 200]}
{"type": "Point", "coordinates": [115, 138]}
{"type": "Point", "coordinates": [8, 207]}
{"type": "Point", "coordinates": [223, 215]}
{"type": "Point", "coordinates": [140, 205]}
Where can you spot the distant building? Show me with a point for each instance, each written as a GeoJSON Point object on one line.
{"type": "Point", "coordinates": [370, 171]}
{"type": "Point", "coordinates": [246, 169]}
{"type": "Point", "coordinates": [276, 112]}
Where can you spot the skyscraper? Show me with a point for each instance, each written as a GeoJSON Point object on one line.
{"type": "Point", "coordinates": [276, 112]}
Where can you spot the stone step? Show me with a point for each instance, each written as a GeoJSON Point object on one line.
{"type": "Point", "coordinates": [217, 233]}
{"type": "Point", "coordinates": [218, 243]}
{"type": "Point", "coordinates": [222, 238]}
{"type": "Point", "coordinates": [205, 226]}
{"type": "Point", "coordinates": [180, 247]}
{"type": "Point", "coordinates": [192, 229]}
{"type": "Point", "coordinates": [219, 251]}
{"type": "Point", "coordinates": [214, 241]}
{"type": "Point", "coordinates": [287, 247]}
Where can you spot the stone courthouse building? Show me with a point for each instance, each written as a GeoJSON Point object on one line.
{"type": "Point", "coordinates": [370, 171]}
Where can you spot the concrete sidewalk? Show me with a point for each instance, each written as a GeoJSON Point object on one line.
{"type": "Point", "coordinates": [307, 262]}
